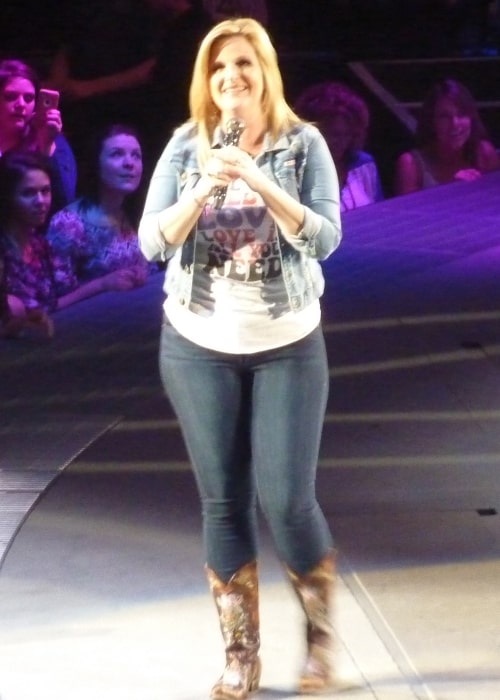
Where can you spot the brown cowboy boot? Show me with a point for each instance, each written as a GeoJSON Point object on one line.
{"type": "Point", "coordinates": [237, 603]}
{"type": "Point", "coordinates": [315, 593]}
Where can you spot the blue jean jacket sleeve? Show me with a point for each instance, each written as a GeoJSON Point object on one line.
{"type": "Point", "coordinates": [300, 162]}
{"type": "Point", "coordinates": [315, 184]}
{"type": "Point", "coordinates": [166, 184]}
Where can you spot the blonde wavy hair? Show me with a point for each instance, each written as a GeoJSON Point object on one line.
{"type": "Point", "coordinates": [203, 112]}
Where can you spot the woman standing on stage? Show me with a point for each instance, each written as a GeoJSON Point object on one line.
{"type": "Point", "coordinates": [243, 203]}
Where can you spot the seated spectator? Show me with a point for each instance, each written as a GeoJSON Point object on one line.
{"type": "Point", "coordinates": [27, 281]}
{"type": "Point", "coordinates": [22, 129]}
{"type": "Point", "coordinates": [94, 239]}
{"type": "Point", "coordinates": [451, 142]}
{"type": "Point", "coordinates": [343, 118]}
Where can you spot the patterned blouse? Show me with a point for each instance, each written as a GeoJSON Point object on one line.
{"type": "Point", "coordinates": [29, 273]}
{"type": "Point", "coordinates": [84, 250]}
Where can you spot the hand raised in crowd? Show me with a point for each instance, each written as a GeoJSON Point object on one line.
{"type": "Point", "coordinates": [48, 125]}
{"type": "Point", "coordinates": [75, 89]}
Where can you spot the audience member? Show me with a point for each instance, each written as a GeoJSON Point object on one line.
{"type": "Point", "coordinates": [84, 69]}
{"type": "Point", "coordinates": [22, 128]}
{"type": "Point", "coordinates": [94, 239]}
{"type": "Point", "coordinates": [343, 118]}
{"type": "Point", "coordinates": [27, 282]}
{"type": "Point", "coordinates": [451, 142]}
{"type": "Point", "coordinates": [116, 80]}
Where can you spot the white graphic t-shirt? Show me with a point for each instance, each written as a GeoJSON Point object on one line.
{"type": "Point", "coordinates": [239, 301]}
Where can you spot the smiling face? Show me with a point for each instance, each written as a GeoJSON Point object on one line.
{"type": "Point", "coordinates": [236, 78]}
{"type": "Point", "coordinates": [452, 125]}
{"type": "Point", "coordinates": [120, 163]}
{"type": "Point", "coordinates": [32, 199]}
{"type": "Point", "coordinates": [17, 105]}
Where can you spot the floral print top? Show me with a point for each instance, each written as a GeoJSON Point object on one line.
{"type": "Point", "coordinates": [83, 250]}
{"type": "Point", "coordinates": [29, 273]}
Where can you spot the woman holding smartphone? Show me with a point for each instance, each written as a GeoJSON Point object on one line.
{"type": "Point", "coordinates": [31, 121]}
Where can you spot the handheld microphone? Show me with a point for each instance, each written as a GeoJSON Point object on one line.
{"type": "Point", "coordinates": [234, 129]}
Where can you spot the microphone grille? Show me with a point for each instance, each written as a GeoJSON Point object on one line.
{"type": "Point", "coordinates": [234, 127]}
{"type": "Point", "coordinates": [235, 124]}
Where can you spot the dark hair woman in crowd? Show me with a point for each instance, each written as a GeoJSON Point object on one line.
{"type": "Point", "coordinates": [343, 118]}
{"type": "Point", "coordinates": [243, 203]}
{"type": "Point", "coordinates": [28, 280]}
{"type": "Point", "coordinates": [451, 142]}
{"type": "Point", "coordinates": [94, 239]}
{"type": "Point", "coordinates": [22, 127]}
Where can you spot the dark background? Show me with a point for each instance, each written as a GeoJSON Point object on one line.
{"type": "Point", "coordinates": [352, 28]}
{"type": "Point", "coordinates": [315, 40]}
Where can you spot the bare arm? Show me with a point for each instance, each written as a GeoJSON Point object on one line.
{"type": "Point", "coordinates": [132, 77]}
{"type": "Point", "coordinates": [75, 89]}
{"type": "Point", "coordinates": [85, 291]}
{"type": "Point", "coordinates": [118, 281]}
{"type": "Point", "coordinates": [408, 177]}
{"type": "Point", "coordinates": [488, 157]}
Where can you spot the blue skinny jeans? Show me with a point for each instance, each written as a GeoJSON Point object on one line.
{"type": "Point", "coordinates": [252, 427]}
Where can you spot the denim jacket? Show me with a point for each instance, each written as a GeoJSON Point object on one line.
{"type": "Point", "coordinates": [299, 162]}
